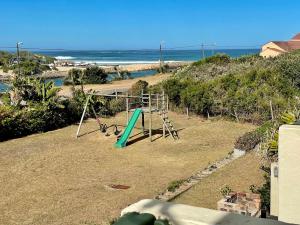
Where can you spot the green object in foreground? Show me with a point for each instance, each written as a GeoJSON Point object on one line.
{"type": "Point", "coordinates": [136, 219]}
{"type": "Point", "coordinates": [121, 143]}
{"type": "Point", "coordinates": [161, 222]}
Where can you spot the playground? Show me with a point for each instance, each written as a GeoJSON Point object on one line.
{"type": "Point", "coordinates": [58, 179]}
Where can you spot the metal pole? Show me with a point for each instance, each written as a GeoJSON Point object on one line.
{"type": "Point", "coordinates": [150, 118]}
{"type": "Point", "coordinates": [160, 59]}
{"type": "Point", "coordinates": [18, 57]}
{"type": "Point", "coordinates": [157, 101]}
{"type": "Point", "coordinates": [83, 114]}
{"type": "Point", "coordinates": [163, 114]}
{"type": "Point", "coordinates": [203, 55]}
{"type": "Point", "coordinates": [127, 109]}
{"type": "Point", "coordinates": [167, 103]}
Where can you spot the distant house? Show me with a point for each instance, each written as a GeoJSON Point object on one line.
{"type": "Point", "coordinates": [275, 48]}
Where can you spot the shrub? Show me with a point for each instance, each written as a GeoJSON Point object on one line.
{"type": "Point", "coordinates": [139, 87]}
{"type": "Point", "coordinates": [218, 59]}
{"type": "Point", "coordinates": [35, 119]}
{"type": "Point", "coordinates": [289, 66]}
{"type": "Point", "coordinates": [5, 98]}
{"type": "Point", "coordinates": [248, 141]}
{"type": "Point", "coordinates": [174, 185]}
{"type": "Point", "coordinates": [5, 68]}
{"type": "Point", "coordinates": [265, 190]}
{"type": "Point", "coordinates": [117, 105]}
{"type": "Point", "coordinates": [225, 190]}
{"type": "Point", "coordinates": [165, 68]}
{"type": "Point", "coordinates": [74, 77]}
{"type": "Point", "coordinates": [173, 88]}
{"type": "Point", "coordinates": [197, 97]}
{"type": "Point", "coordinates": [94, 75]}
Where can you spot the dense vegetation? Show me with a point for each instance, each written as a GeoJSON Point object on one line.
{"type": "Point", "coordinates": [33, 106]}
{"type": "Point", "coordinates": [90, 75]}
{"type": "Point", "coordinates": [30, 63]}
{"type": "Point", "coordinates": [249, 88]}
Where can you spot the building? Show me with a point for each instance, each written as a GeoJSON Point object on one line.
{"type": "Point", "coordinates": [275, 48]}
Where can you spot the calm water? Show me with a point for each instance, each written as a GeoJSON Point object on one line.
{"type": "Point", "coordinates": [3, 87]}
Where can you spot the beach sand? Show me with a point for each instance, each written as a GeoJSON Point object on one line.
{"type": "Point", "coordinates": [62, 71]}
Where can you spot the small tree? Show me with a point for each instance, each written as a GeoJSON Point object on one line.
{"type": "Point", "coordinates": [74, 77]}
{"type": "Point", "coordinates": [94, 75]}
{"type": "Point", "coordinates": [138, 87]}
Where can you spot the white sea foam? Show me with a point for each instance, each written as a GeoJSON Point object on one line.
{"type": "Point", "coordinates": [100, 62]}
{"type": "Point", "coordinates": [64, 57]}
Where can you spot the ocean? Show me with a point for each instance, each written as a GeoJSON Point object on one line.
{"type": "Point", "coordinates": [127, 57]}
{"type": "Point", "coordinates": [115, 57]}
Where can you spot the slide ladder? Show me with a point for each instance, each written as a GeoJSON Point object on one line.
{"type": "Point", "coordinates": [169, 125]}
{"type": "Point", "coordinates": [121, 143]}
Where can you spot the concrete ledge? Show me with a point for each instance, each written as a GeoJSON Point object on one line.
{"type": "Point", "coordinates": [179, 214]}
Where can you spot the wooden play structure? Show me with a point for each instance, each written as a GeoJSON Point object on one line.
{"type": "Point", "coordinates": [138, 105]}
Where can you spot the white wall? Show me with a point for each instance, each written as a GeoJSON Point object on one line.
{"type": "Point", "coordinates": [289, 174]}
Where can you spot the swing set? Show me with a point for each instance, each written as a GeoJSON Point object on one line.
{"type": "Point", "coordinates": [138, 105]}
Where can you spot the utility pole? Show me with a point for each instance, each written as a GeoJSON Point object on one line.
{"type": "Point", "coordinates": [18, 57]}
{"type": "Point", "coordinates": [203, 54]}
{"type": "Point", "coordinates": [161, 56]}
{"type": "Point", "coordinates": [213, 49]}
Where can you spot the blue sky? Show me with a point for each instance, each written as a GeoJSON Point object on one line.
{"type": "Point", "coordinates": [138, 24]}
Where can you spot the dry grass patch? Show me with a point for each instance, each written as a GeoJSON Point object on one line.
{"type": "Point", "coordinates": [238, 175]}
{"type": "Point", "coordinates": [54, 178]}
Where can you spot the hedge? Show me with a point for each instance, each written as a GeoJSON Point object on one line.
{"type": "Point", "coordinates": [35, 119]}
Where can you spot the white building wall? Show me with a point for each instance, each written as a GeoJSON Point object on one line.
{"type": "Point", "coordinates": [289, 174]}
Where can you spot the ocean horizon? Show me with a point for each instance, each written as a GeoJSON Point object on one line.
{"type": "Point", "coordinates": [127, 57]}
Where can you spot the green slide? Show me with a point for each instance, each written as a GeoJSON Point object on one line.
{"type": "Point", "coordinates": [123, 140]}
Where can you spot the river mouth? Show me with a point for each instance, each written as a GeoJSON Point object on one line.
{"type": "Point", "coordinates": [59, 81]}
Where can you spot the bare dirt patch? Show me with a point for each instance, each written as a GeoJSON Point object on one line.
{"type": "Point", "coordinates": [54, 178]}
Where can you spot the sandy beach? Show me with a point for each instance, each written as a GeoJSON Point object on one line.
{"type": "Point", "coordinates": [62, 71]}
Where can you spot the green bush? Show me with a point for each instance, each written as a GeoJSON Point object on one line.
{"type": "Point", "coordinates": [197, 97]}
{"type": "Point", "coordinates": [218, 59]}
{"type": "Point", "coordinates": [173, 88]}
{"type": "Point", "coordinates": [244, 96]}
{"type": "Point", "coordinates": [174, 185]}
{"type": "Point", "coordinates": [5, 68]}
{"type": "Point", "coordinates": [117, 105]}
{"type": "Point", "coordinates": [225, 190]}
{"type": "Point", "coordinates": [94, 75]}
{"type": "Point", "coordinates": [74, 77]}
{"type": "Point", "coordinates": [265, 190]}
{"type": "Point", "coordinates": [5, 98]}
{"type": "Point", "coordinates": [139, 87]}
{"type": "Point", "coordinates": [35, 119]}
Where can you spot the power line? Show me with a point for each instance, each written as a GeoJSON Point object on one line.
{"type": "Point", "coordinates": [207, 46]}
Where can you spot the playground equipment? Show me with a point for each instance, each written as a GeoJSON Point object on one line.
{"type": "Point", "coordinates": [145, 103]}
